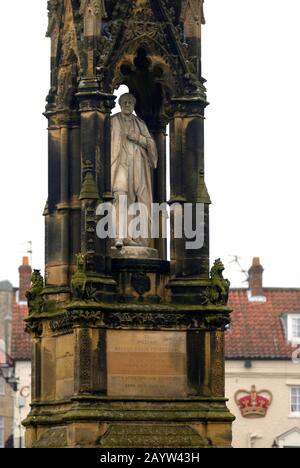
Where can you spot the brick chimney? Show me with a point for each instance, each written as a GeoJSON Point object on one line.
{"type": "Point", "coordinates": [256, 278]}
{"type": "Point", "coordinates": [25, 279]}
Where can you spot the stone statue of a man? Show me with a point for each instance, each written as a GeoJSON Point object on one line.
{"type": "Point", "coordinates": [134, 155]}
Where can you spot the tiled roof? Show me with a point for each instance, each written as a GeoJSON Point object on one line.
{"type": "Point", "coordinates": [257, 330]}
{"type": "Point", "coordinates": [20, 341]}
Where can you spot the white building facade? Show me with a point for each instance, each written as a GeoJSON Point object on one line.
{"type": "Point", "coordinates": [280, 427]}
{"type": "Point", "coordinates": [263, 364]}
{"type": "Point", "coordinates": [22, 401]}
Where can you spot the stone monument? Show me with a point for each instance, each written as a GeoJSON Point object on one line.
{"type": "Point", "coordinates": [128, 347]}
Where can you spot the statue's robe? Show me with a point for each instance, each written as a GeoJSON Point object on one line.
{"type": "Point", "coordinates": [132, 163]}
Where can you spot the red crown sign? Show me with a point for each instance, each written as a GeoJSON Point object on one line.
{"type": "Point", "coordinates": [253, 404]}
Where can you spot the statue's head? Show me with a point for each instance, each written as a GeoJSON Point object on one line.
{"type": "Point", "coordinates": [127, 103]}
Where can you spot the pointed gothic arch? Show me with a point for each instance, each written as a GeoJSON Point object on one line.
{"type": "Point", "coordinates": [148, 75]}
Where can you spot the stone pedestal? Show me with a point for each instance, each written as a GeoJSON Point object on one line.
{"type": "Point", "coordinates": [138, 371]}
{"type": "Point", "coordinates": [126, 375]}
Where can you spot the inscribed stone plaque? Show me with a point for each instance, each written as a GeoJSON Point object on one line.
{"type": "Point", "coordinates": [145, 363]}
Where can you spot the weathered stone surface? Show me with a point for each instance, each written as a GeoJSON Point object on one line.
{"type": "Point", "coordinates": [142, 363]}
{"type": "Point", "coordinates": [154, 435]}
{"type": "Point", "coordinates": [55, 437]}
{"type": "Point", "coordinates": [48, 375]}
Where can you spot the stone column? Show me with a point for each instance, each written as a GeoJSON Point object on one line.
{"type": "Point", "coordinates": [63, 194]}
{"type": "Point", "coordinates": [218, 363]}
{"type": "Point", "coordinates": [160, 180]}
{"type": "Point", "coordinates": [188, 186]}
{"type": "Point", "coordinates": [83, 360]}
{"type": "Point", "coordinates": [90, 360]}
{"type": "Point", "coordinates": [199, 362]}
{"type": "Point", "coordinates": [36, 370]}
{"type": "Point", "coordinates": [95, 109]}
{"type": "Point", "coordinates": [193, 18]}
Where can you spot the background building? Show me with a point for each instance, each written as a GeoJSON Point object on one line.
{"type": "Point", "coordinates": [6, 301]}
{"type": "Point", "coordinates": [263, 364]}
{"type": "Point", "coordinates": [21, 354]}
{"type": "Point", "coordinates": [6, 393]}
{"type": "Point", "coordinates": [6, 409]}
{"type": "Point", "coordinates": [15, 349]}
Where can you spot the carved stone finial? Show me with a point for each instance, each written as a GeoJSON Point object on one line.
{"type": "Point", "coordinates": [54, 13]}
{"type": "Point", "coordinates": [87, 167]}
{"type": "Point", "coordinates": [93, 11]}
{"type": "Point", "coordinates": [203, 195]}
{"type": "Point", "coordinates": [203, 20]}
{"type": "Point", "coordinates": [46, 209]}
{"type": "Point", "coordinates": [79, 279]}
{"type": "Point", "coordinates": [192, 15]}
{"type": "Point", "coordinates": [218, 292]}
{"type": "Point", "coordinates": [89, 189]}
{"type": "Point", "coordinates": [34, 297]}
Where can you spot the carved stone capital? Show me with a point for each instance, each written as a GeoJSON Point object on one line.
{"type": "Point", "coordinates": [34, 327]}
{"type": "Point", "coordinates": [185, 106]}
{"type": "Point", "coordinates": [92, 99]}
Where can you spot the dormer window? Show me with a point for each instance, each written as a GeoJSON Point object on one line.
{"type": "Point", "coordinates": [294, 328]}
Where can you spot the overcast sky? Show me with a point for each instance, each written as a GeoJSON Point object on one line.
{"type": "Point", "coordinates": [252, 66]}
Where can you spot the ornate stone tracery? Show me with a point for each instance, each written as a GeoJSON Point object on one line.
{"type": "Point", "coordinates": [136, 27]}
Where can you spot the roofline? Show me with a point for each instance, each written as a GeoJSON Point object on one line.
{"type": "Point", "coordinates": [22, 359]}
{"type": "Point", "coordinates": [267, 289]}
{"type": "Point", "coordinates": [239, 358]}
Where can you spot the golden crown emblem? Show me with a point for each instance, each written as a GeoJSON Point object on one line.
{"type": "Point", "coordinates": [253, 404]}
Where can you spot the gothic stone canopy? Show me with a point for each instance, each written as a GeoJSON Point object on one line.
{"type": "Point", "coordinates": [125, 42]}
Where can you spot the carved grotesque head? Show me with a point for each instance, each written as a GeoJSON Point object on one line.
{"type": "Point", "coordinates": [217, 269]}
{"type": "Point", "coordinates": [80, 262]}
